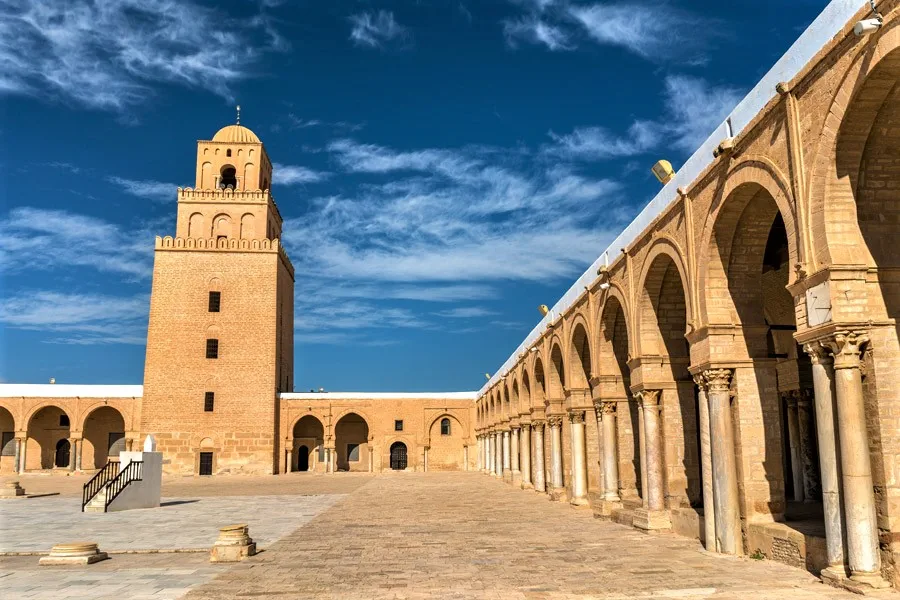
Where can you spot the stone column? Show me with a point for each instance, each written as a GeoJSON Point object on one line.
{"type": "Point", "coordinates": [859, 495]}
{"type": "Point", "coordinates": [811, 486]}
{"type": "Point", "coordinates": [556, 468]}
{"type": "Point", "coordinates": [829, 458]}
{"type": "Point", "coordinates": [642, 451]}
{"type": "Point", "coordinates": [525, 452]}
{"type": "Point", "coordinates": [653, 450]}
{"type": "Point", "coordinates": [76, 450]}
{"type": "Point", "coordinates": [579, 460]}
{"type": "Point", "coordinates": [539, 467]}
{"type": "Point", "coordinates": [610, 452]}
{"type": "Point", "coordinates": [466, 457]}
{"type": "Point", "coordinates": [790, 398]}
{"type": "Point", "coordinates": [21, 443]}
{"type": "Point", "coordinates": [506, 472]}
{"type": "Point", "coordinates": [73, 444]}
{"type": "Point", "coordinates": [724, 462]}
{"type": "Point", "coordinates": [598, 415]}
{"type": "Point", "coordinates": [498, 454]}
{"type": "Point", "coordinates": [371, 450]}
{"type": "Point", "coordinates": [514, 455]}
{"type": "Point", "coordinates": [424, 459]}
{"type": "Point", "coordinates": [709, 510]}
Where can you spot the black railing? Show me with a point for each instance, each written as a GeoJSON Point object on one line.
{"type": "Point", "coordinates": [97, 482]}
{"type": "Point", "coordinates": [133, 471]}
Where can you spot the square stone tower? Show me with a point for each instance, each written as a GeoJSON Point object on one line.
{"type": "Point", "coordinates": [220, 342]}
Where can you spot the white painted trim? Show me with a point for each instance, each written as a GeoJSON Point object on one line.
{"type": "Point", "coordinates": [379, 396]}
{"type": "Point", "coordinates": [48, 390]}
{"type": "Point", "coordinates": [826, 26]}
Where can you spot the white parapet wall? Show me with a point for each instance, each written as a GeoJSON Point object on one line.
{"type": "Point", "coordinates": [146, 493]}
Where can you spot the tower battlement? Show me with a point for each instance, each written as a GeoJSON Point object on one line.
{"type": "Point", "coordinates": [232, 245]}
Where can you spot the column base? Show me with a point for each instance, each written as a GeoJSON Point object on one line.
{"type": "Point", "coordinates": [603, 509]}
{"type": "Point", "coordinates": [652, 520]}
{"type": "Point", "coordinates": [558, 495]}
{"type": "Point", "coordinates": [527, 485]}
{"type": "Point", "coordinates": [507, 476]}
{"type": "Point", "coordinates": [864, 584]}
{"type": "Point", "coordinates": [583, 501]}
{"type": "Point", "coordinates": [517, 478]}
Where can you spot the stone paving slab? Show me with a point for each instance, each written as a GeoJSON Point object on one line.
{"type": "Point", "coordinates": [35, 524]}
{"type": "Point", "coordinates": [466, 535]}
{"type": "Point", "coordinates": [123, 577]}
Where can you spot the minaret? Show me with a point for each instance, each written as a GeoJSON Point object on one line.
{"type": "Point", "coordinates": [220, 342]}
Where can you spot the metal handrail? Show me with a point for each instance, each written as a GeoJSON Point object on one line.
{"type": "Point", "coordinates": [97, 483]}
{"type": "Point", "coordinates": [133, 471]}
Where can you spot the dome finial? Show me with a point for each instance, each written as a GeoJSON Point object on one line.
{"type": "Point", "coordinates": [238, 114]}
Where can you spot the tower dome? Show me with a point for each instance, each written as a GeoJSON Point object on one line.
{"type": "Point", "coordinates": [236, 134]}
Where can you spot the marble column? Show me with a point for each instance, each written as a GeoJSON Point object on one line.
{"type": "Point", "coordinates": [556, 462]}
{"type": "Point", "coordinates": [485, 453]}
{"type": "Point", "coordinates": [76, 449]}
{"type": "Point", "coordinates": [525, 465]}
{"type": "Point", "coordinates": [498, 454]}
{"type": "Point", "coordinates": [829, 457]}
{"type": "Point", "coordinates": [724, 462]}
{"type": "Point", "coordinates": [598, 415]}
{"type": "Point", "coordinates": [506, 469]}
{"type": "Point", "coordinates": [579, 459]}
{"type": "Point", "coordinates": [20, 454]}
{"type": "Point", "coordinates": [790, 398]}
{"type": "Point", "coordinates": [653, 450]}
{"type": "Point", "coordinates": [540, 484]}
{"type": "Point", "coordinates": [709, 510]}
{"type": "Point", "coordinates": [642, 451]}
{"type": "Point", "coordinates": [812, 490]}
{"type": "Point", "coordinates": [492, 451]}
{"type": "Point", "coordinates": [610, 452]}
{"type": "Point", "coordinates": [465, 457]}
{"type": "Point", "coordinates": [514, 454]}
{"type": "Point", "coordinates": [859, 495]}
{"type": "Point", "coordinates": [425, 459]}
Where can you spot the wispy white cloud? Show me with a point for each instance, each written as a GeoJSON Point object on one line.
{"type": "Point", "coordinates": [376, 29]}
{"type": "Point", "coordinates": [158, 191]}
{"type": "Point", "coordinates": [295, 174]}
{"type": "Point", "coordinates": [73, 318]}
{"type": "Point", "coordinates": [677, 36]}
{"type": "Point", "coordinates": [535, 30]}
{"type": "Point", "coordinates": [696, 108]}
{"type": "Point", "coordinates": [595, 143]}
{"type": "Point", "coordinates": [693, 108]}
{"type": "Point", "coordinates": [42, 240]}
{"type": "Point", "coordinates": [465, 312]}
{"type": "Point", "coordinates": [107, 55]}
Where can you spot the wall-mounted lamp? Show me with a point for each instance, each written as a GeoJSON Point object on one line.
{"type": "Point", "coordinates": [867, 26]}
{"type": "Point", "coordinates": [663, 171]}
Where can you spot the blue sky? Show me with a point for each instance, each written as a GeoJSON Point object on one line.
{"type": "Point", "coordinates": [443, 167]}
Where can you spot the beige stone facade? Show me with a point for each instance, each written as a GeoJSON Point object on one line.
{"type": "Point", "coordinates": [219, 366]}
{"type": "Point", "coordinates": [735, 368]}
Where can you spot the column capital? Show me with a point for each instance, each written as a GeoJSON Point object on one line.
{"type": "Point", "coordinates": [718, 380]}
{"type": "Point", "coordinates": [648, 398]}
{"type": "Point", "coordinates": [538, 422]}
{"type": "Point", "coordinates": [526, 426]}
{"type": "Point", "coordinates": [555, 421]}
{"type": "Point", "coordinates": [818, 353]}
{"type": "Point", "coordinates": [577, 417]}
{"type": "Point", "coordinates": [846, 346]}
{"type": "Point", "coordinates": [700, 380]}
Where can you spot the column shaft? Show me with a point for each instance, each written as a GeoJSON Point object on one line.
{"type": "Point", "coordinates": [514, 451]}
{"type": "Point", "coordinates": [653, 450]}
{"type": "Point", "coordinates": [539, 467]}
{"type": "Point", "coordinates": [829, 459]}
{"type": "Point", "coordinates": [526, 455]}
{"type": "Point", "coordinates": [709, 510]}
{"type": "Point", "coordinates": [20, 455]}
{"type": "Point", "coordinates": [610, 453]}
{"type": "Point", "coordinates": [642, 450]}
{"type": "Point", "coordinates": [724, 462]}
{"type": "Point", "coordinates": [579, 459]}
{"type": "Point", "coordinates": [811, 485]}
{"type": "Point", "coordinates": [794, 442]}
{"type": "Point", "coordinates": [498, 454]}
{"type": "Point", "coordinates": [506, 451]}
{"type": "Point", "coordinates": [859, 495]}
{"type": "Point", "coordinates": [556, 469]}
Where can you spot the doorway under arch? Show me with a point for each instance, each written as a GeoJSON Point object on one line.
{"type": "Point", "coordinates": [46, 428]}
{"type": "Point", "coordinates": [303, 458]}
{"type": "Point", "coordinates": [351, 434]}
{"type": "Point", "coordinates": [398, 456]}
{"type": "Point", "coordinates": [62, 454]}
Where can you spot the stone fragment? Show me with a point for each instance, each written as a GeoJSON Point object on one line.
{"type": "Point", "coordinates": [73, 553]}
{"type": "Point", "coordinates": [11, 489]}
{"type": "Point", "coordinates": [234, 544]}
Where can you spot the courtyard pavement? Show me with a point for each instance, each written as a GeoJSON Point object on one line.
{"type": "Point", "coordinates": [411, 535]}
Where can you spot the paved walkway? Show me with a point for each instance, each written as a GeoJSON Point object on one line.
{"type": "Point", "coordinates": [465, 535]}
{"type": "Point", "coordinates": [35, 524]}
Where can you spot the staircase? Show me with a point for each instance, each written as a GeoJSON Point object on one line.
{"type": "Point", "coordinates": [107, 484]}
